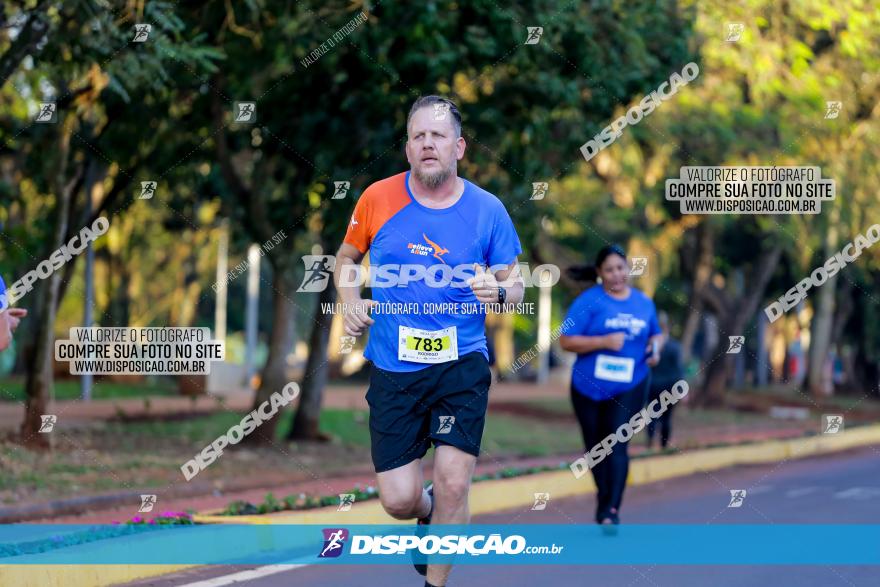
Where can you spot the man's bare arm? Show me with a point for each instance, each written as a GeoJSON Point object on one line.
{"type": "Point", "coordinates": [356, 315]}
{"type": "Point", "coordinates": [347, 256]}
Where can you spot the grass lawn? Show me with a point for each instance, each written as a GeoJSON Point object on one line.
{"type": "Point", "coordinates": [507, 435]}
{"type": "Point", "coordinates": [504, 434]}
{"type": "Point", "coordinates": [12, 389]}
{"type": "Point", "coordinates": [117, 455]}
{"type": "Point", "coordinates": [788, 395]}
{"type": "Point", "coordinates": [687, 417]}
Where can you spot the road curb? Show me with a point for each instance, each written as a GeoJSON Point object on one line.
{"type": "Point", "coordinates": [486, 497]}
{"type": "Point", "coordinates": [81, 575]}
{"type": "Point", "coordinates": [502, 494]}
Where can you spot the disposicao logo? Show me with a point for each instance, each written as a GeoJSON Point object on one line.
{"type": "Point", "coordinates": [334, 542]}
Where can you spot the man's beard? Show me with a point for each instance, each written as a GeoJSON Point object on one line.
{"type": "Point", "coordinates": [434, 180]}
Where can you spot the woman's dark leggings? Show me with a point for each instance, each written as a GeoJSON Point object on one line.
{"type": "Point", "coordinates": [598, 419]}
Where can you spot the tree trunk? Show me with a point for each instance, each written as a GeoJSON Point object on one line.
{"type": "Point", "coordinates": [38, 382]}
{"type": "Point", "coordinates": [702, 272]}
{"type": "Point", "coordinates": [38, 373]}
{"type": "Point", "coordinates": [306, 421]}
{"type": "Point", "coordinates": [866, 371]}
{"type": "Point", "coordinates": [821, 324]}
{"type": "Point", "coordinates": [274, 374]}
{"type": "Point", "coordinates": [119, 278]}
{"type": "Point", "coordinates": [715, 381]}
{"type": "Point", "coordinates": [189, 288]}
{"type": "Point", "coordinates": [734, 315]}
{"type": "Point", "coordinates": [844, 351]}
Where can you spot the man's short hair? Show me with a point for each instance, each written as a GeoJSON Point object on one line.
{"type": "Point", "coordinates": [429, 102]}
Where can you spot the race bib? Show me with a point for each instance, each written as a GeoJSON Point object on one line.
{"type": "Point", "coordinates": [427, 346]}
{"type": "Point", "coordinates": [618, 369]}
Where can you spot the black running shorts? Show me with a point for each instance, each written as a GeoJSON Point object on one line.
{"type": "Point", "coordinates": [444, 403]}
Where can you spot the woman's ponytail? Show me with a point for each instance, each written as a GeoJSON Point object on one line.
{"type": "Point", "coordinates": [582, 273]}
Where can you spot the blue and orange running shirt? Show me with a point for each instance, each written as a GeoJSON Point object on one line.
{"type": "Point", "coordinates": [398, 231]}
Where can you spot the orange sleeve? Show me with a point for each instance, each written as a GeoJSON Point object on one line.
{"type": "Point", "coordinates": [379, 202]}
{"type": "Point", "coordinates": [358, 233]}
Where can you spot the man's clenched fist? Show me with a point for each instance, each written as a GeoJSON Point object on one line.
{"type": "Point", "coordinates": [484, 285]}
{"type": "Point", "coordinates": [356, 316]}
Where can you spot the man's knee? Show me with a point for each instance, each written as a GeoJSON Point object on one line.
{"type": "Point", "coordinates": [401, 504]}
{"type": "Point", "coordinates": [452, 487]}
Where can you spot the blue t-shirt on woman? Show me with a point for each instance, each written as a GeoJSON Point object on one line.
{"type": "Point", "coordinates": [605, 373]}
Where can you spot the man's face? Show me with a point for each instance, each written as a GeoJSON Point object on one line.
{"type": "Point", "coordinates": [432, 148]}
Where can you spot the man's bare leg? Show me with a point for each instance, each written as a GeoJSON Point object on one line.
{"type": "Point", "coordinates": [453, 469]}
{"type": "Point", "coordinates": [402, 492]}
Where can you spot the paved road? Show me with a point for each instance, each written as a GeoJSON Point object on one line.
{"type": "Point", "coordinates": [835, 489]}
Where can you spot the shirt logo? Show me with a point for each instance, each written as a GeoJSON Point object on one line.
{"type": "Point", "coordinates": [626, 322]}
{"type": "Point", "coordinates": [432, 248]}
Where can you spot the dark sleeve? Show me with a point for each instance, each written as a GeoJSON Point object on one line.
{"type": "Point", "coordinates": [678, 361]}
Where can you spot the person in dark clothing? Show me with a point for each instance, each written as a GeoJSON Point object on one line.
{"type": "Point", "coordinates": [668, 371]}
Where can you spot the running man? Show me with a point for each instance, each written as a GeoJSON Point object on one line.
{"type": "Point", "coordinates": [430, 378]}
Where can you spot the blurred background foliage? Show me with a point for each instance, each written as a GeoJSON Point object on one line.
{"type": "Point", "coordinates": [162, 110]}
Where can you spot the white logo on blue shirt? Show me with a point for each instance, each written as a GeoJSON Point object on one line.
{"type": "Point", "coordinates": [626, 322]}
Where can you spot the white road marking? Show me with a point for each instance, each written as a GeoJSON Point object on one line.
{"type": "Point", "coordinates": [244, 576]}
{"type": "Point", "coordinates": [858, 493]}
